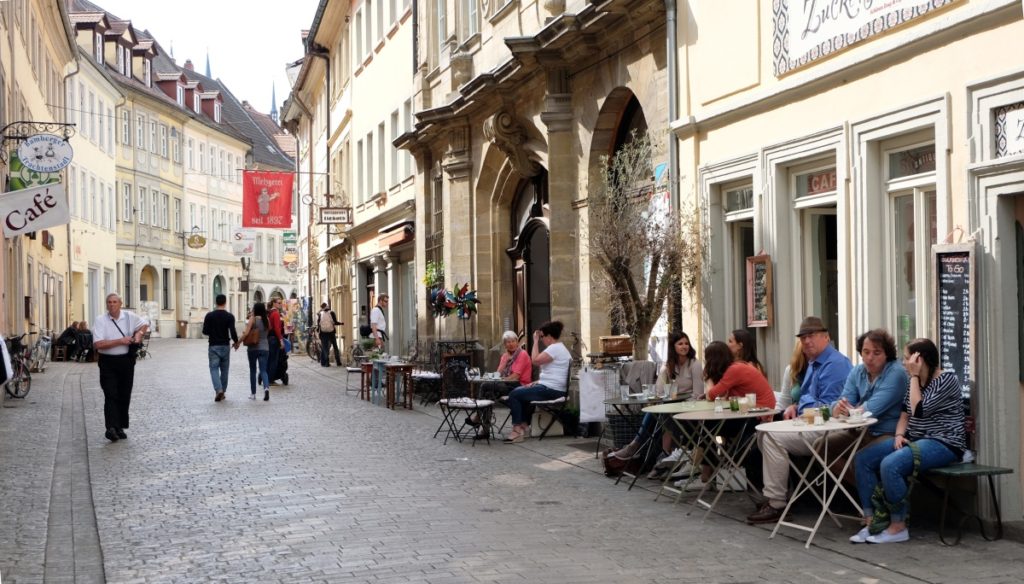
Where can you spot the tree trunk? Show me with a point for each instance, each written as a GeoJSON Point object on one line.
{"type": "Point", "coordinates": [641, 340]}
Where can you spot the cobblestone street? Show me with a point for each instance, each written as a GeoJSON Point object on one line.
{"type": "Point", "coordinates": [318, 486]}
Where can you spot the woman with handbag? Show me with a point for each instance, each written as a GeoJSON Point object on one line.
{"type": "Point", "coordinates": [258, 349]}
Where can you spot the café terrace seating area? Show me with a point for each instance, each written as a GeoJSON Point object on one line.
{"type": "Point", "coordinates": [609, 393]}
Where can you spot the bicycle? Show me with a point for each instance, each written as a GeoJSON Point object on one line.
{"type": "Point", "coordinates": [20, 382]}
{"type": "Point", "coordinates": [41, 352]}
{"type": "Point", "coordinates": [313, 343]}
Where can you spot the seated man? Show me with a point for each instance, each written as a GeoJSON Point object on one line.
{"type": "Point", "coordinates": [877, 385]}
{"type": "Point", "coordinates": [68, 339]}
{"type": "Point", "coordinates": [827, 370]}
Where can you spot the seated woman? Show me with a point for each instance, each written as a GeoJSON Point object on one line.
{"type": "Point", "coordinates": [83, 342]}
{"type": "Point", "coordinates": [734, 378]}
{"type": "Point", "coordinates": [793, 377]}
{"type": "Point", "coordinates": [683, 375]}
{"type": "Point", "coordinates": [743, 346]}
{"type": "Point", "coordinates": [554, 364]}
{"type": "Point", "coordinates": [68, 339]}
{"type": "Point", "coordinates": [930, 430]}
{"type": "Point", "coordinates": [514, 369]}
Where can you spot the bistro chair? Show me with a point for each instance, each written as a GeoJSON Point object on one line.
{"type": "Point", "coordinates": [457, 405]}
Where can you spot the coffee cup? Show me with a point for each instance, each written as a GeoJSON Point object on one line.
{"type": "Point", "coordinates": [856, 414]}
{"type": "Point", "coordinates": [809, 413]}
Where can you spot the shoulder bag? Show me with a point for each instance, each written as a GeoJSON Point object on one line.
{"type": "Point", "coordinates": [251, 338]}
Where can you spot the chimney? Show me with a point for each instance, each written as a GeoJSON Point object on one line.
{"type": "Point", "coordinates": [188, 65]}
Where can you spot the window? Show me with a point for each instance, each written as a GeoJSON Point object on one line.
{"type": "Point", "coordinates": [126, 202]}
{"type": "Point", "coordinates": [380, 20]}
{"type": "Point", "coordinates": [143, 199]}
{"type": "Point", "coordinates": [369, 28]}
{"type": "Point", "coordinates": [471, 17]}
{"type": "Point", "coordinates": [202, 291]}
{"type": "Point", "coordinates": [259, 248]}
{"type": "Point", "coordinates": [223, 226]}
{"type": "Point", "coordinates": [110, 131]}
{"type": "Point", "coordinates": [147, 72]}
{"type": "Point", "coordinates": [165, 201]}
{"type": "Point", "coordinates": [393, 9]}
{"type": "Point", "coordinates": [111, 209]}
{"type": "Point", "coordinates": [216, 111]}
{"type": "Point", "coordinates": [120, 58]}
{"type": "Point", "coordinates": [92, 201]}
{"type": "Point", "coordinates": [166, 292]}
{"type": "Point", "coordinates": [152, 136]}
{"type": "Point", "coordinates": [126, 296]}
{"type": "Point", "coordinates": [394, 151]}
{"type": "Point", "coordinates": [163, 140]}
{"type": "Point", "coordinates": [222, 166]}
{"type": "Point", "coordinates": [197, 102]}
{"type": "Point", "coordinates": [175, 146]}
{"type": "Point", "coordinates": [440, 26]}
{"type": "Point", "coordinates": [72, 194]}
{"type": "Point", "coordinates": [177, 215]}
{"type": "Point", "coordinates": [270, 250]}
{"type": "Point", "coordinates": [101, 133]}
{"type": "Point", "coordinates": [98, 47]}
{"type": "Point", "coordinates": [92, 117]}
{"type": "Point", "coordinates": [202, 159]}
{"type": "Point", "coordinates": [181, 95]}
{"type": "Point", "coordinates": [360, 186]}
{"type": "Point", "coordinates": [359, 34]}
{"type": "Point", "coordinates": [189, 156]}
{"type": "Point", "coordinates": [154, 209]}
{"type": "Point", "coordinates": [202, 218]}
{"type": "Point", "coordinates": [192, 289]}
{"type": "Point", "coordinates": [103, 206]}
{"type": "Point", "coordinates": [381, 144]}
{"type": "Point", "coordinates": [213, 159]}
{"type": "Point", "coordinates": [140, 132]}
{"type": "Point", "coordinates": [369, 165]}
{"type": "Point", "coordinates": [81, 108]}
{"type": "Point", "coordinates": [191, 215]}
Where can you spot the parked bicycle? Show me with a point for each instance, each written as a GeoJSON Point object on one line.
{"type": "Point", "coordinates": [313, 343]}
{"type": "Point", "coordinates": [21, 381]}
{"type": "Point", "coordinates": [41, 352]}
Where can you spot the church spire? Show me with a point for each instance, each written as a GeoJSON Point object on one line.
{"type": "Point", "coordinates": [208, 63]}
{"type": "Point", "coordinates": [273, 102]}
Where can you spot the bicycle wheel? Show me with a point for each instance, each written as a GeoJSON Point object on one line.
{"type": "Point", "coordinates": [19, 385]}
{"type": "Point", "coordinates": [313, 348]}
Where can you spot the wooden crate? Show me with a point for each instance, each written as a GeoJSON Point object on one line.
{"type": "Point", "coordinates": [616, 345]}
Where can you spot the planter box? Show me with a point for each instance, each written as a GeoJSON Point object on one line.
{"type": "Point", "coordinates": [618, 345]}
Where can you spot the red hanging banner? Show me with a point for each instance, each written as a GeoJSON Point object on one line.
{"type": "Point", "coordinates": [267, 199]}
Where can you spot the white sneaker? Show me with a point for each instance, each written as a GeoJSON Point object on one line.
{"type": "Point", "coordinates": [671, 458]}
{"type": "Point", "coordinates": [861, 536]}
{"type": "Point", "coordinates": [683, 471]}
{"type": "Point", "coordinates": [886, 537]}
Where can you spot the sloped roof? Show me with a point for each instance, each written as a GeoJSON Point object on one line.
{"type": "Point", "coordinates": [285, 141]}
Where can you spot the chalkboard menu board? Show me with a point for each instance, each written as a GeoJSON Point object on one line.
{"type": "Point", "coordinates": [759, 291]}
{"type": "Point", "coordinates": [954, 304]}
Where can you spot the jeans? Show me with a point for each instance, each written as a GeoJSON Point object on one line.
{"type": "Point", "coordinates": [328, 340]}
{"type": "Point", "coordinates": [260, 357]}
{"type": "Point", "coordinates": [220, 359]}
{"type": "Point", "coordinates": [879, 462]}
{"type": "Point", "coordinates": [520, 398]}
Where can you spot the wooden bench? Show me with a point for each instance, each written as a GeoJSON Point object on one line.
{"type": "Point", "coordinates": [944, 479]}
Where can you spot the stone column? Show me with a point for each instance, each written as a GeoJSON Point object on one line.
{"type": "Point", "coordinates": [459, 227]}
{"type": "Point", "coordinates": [563, 187]}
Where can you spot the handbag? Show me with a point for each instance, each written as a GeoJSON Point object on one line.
{"type": "Point", "coordinates": [252, 338]}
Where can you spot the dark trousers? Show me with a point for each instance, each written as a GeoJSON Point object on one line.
{"type": "Point", "coordinates": [117, 374]}
{"type": "Point", "coordinates": [275, 350]}
{"type": "Point", "coordinates": [328, 340]}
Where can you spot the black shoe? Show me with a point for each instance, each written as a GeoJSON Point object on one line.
{"type": "Point", "coordinates": [266, 395]}
{"type": "Point", "coordinates": [471, 422]}
{"type": "Point", "coordinates": [111, 434]}
{"type": "Point", "coordinates": [284, 379]}
{"type": "Point", "coordinates": [120, 433]}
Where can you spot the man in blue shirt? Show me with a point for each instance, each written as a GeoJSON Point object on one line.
{"type": "Point", "coordinates": [827, 370]}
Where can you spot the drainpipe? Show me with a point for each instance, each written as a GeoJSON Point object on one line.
{"type": "Point", "coordinates": [67, 288]}
{"type": "Point", "coordinates": [309, 233]}
{"type": "Point", "coordinates": [673, 142]}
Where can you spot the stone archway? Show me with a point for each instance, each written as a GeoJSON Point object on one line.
{"type": "Point", "coordinates": [149, 282]}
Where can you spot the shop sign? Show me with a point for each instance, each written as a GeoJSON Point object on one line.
{"type": "Point", "coordinates": [336, 215]}
{"type": "Point", "coordinates": [45, 153]}
{"type": "Point", "coordinates": [289, 238]}
{"type": "Point", "coordinates": [243, 241]}
{"type": "Point", "coordinates": [23, 177]}
{"type": "Point", "coordinates": [33, 209]}
{"type": "Point", "coordinates": [196, 241]}
{"type": "Point", "coordinates": [911, 162]}
{"type": "Point", "coordinates": [816, 183]}
{"type": "Point", "coordinates": [808, 30]}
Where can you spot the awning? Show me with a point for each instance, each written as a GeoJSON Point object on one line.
{"type": "Point", "coordinates": [397, 233]}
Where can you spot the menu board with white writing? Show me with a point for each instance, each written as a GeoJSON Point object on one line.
{"type": "Point", "coordinates": [954, 304]}
{"type": "Point", "coordinates": [759, 291]}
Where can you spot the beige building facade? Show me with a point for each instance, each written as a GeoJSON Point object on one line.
{"type": "Point", "coordinates": [843, 146]}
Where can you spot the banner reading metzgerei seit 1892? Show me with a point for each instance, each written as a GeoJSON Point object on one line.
{"type": "Point", "coordinates": [267, 199]}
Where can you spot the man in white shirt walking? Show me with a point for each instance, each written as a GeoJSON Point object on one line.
{"type": "Point", "coordinates": [378, 322]}
{"type": "Point", "coordinates": [113, 335]}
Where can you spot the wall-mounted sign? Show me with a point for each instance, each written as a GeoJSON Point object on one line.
{"type": "Point", "coordinates": [336, 215]}
{"type": "Point", "coordinates": [954, 310]}
{"type": "Point", "coordinates": [816, 183]}
{"type": "Point", "coordinates": [759, 291]}
{"type": "Point", "coordinates": [45, 153]}
{"type": "Point", "coordinates": [808, 30]}
{"type": "Point", "coordinates": [243, 241]}
{"type": "Point", "coordinates": [289, 238]}
{"type": "Point", "coordinates": [33, 209]}
{"type": "Point", "coordinates": [23, 177]}
{"type": "Point", "coordinates": [196, 241]}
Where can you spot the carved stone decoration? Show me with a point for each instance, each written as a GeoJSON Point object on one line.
{"type": "Point", "coordinates": [462, 69]}
{"type": "Point", "coordinates": [457, 161]}
{"type": "Point", "coordinates": [554, 7]}
{"type": "Point", "coordinates": [504, 131]}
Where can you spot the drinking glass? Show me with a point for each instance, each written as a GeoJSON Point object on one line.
{"type": "Point", "coordinates": [473, 372]}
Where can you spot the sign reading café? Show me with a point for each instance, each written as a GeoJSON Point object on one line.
{"type": "Point", "coordinates": [808, 30]}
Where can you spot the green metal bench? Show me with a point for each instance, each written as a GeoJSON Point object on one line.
{"type": "Point", "coordinates": [949, 474]}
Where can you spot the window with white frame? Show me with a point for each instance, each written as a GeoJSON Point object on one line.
{"type": "Point", "coordinates": [110, 131]}
{"type": "Point", "coordinates": [153, 143]}
{"type": "Point", "coordinates": [72, 193]}
{"type": "Point", "coordinates": [216, 111]}
{"type": "Point", "coordinates": [143, 205]}
{"type": "Point", "coordinates": [93, 211]}
{"type": "Point", "coordinates": [163, 140]}
{"type": "Point", "coordinates": [103, 205]}
{"type": "Point", "coordinates": [271, 249]}
{"type": "Point", "coordinates": [175, 146]}
{"type": "Point", "coordinates": [369, 28]}
{"type": "Point", "coordinates": [360, 184]}
{"type": "Point", "coordinates": [202, 291]}
{"type": "Point", "coordinates": [181, 95]}
{"type": "Point", "coordinates": [202, 218]}
{"type": "Point", "coordinates": [192, 290]}
{"type": "Point", "coordinates": [381, 158]}
{"type": "Point", "coordinates": [165, 203]}
{"type": "Point", "coordinates": [101, 131]}
{"type": "Point", "coordinates": [120, 58]}
{"type": "Point", "coordinates": [395, 153]}
{"type": "Point", "coordinates": [359, 36]}
{"type": "Point", "coordinates": [111, 208]}
{"type": "Point", "coordinates": [393, 10]}
{"type": "Point", "coordinates": [211, 162]}
{"type": "Point", "coordinates": [92, 117]}
{"type": "Point", "coordinates": [439, 32]}
{"type": "Point", "coordinates": [197, 101]}
{"type": "Point", "coordinates": [155, 208]}
{"type": "Point", "coordinates": [189, 155]}
{"type": "Point", "coordinates": [147, 72]}
{"type": "Point", "coordinates": [98, 47]}
{"type": "Point", "coordinates": [177, 215]}
{"type": "Point", "coordinates": [140, 132]}
{"type": "Point", "coordinates": [126, 202]}
{"type": "Point", "coordinates": [380, 21]}
{"type": "Point", "coordinates": [370, 186]}
{"type": "Point", "coordinates": [470, 18]}
{"type": "Point", "coordinates": [202, 157]}
{"type": "Point", "coordinates": [191, 216]}
{"type": "Point", "coordinates": [259, 249]}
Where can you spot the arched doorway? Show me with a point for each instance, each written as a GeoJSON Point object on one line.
{"type": "Point", "coordinates": [530, 253]}
{"type": "Point", "coordinates": [257, 296]}
{"type": "Point", "coordinates": [148, 284]}
{"type": "Point", "coordinates": [218, 286]}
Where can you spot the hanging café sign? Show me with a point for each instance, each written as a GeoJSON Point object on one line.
{"type": "Point", "coordinates": [33, 209]}
{"type": "Point", "coordinates": [45, 153]}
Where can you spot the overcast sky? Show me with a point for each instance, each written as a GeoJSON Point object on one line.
{"type": "Point", "coordinates": [249, 41]}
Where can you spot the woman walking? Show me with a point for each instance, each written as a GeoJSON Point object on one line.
{"type": "Point", "coordinates": [260, 352]}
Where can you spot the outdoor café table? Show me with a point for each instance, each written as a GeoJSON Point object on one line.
{"type": "Point", "coordinates": [729, 459]}
{"type": "Point", "coordinates": [824, 481]}
{"type": "Point", "coordinates": [626, 406]}
{"type": "Point", "coordinates": [663, 412]}
{"type": "Point", "coordinates": [430, 380]}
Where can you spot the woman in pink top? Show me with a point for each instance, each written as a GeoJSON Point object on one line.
{"type": "Point", "coordinates": [514, 369]}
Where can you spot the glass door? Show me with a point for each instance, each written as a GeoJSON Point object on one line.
{"type": "Point", "coordinates": [821, 273]}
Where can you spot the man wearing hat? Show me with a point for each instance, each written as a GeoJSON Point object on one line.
{"type": "Point", "coordinates": [827, 370]}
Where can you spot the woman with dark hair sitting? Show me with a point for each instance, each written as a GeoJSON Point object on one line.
{"type": "Point", "coordinates": [552, 383]}
{"type": "Point", "coordinates": [682, 376]}
{"type": "Point", "coordinates": [930, 433]}
{"type": "Point", "coordinates": [69, 340]}
{"type": "Point", "coordinates": [743, 345]}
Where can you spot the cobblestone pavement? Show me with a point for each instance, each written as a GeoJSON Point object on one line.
{"type": "Point", "coordinates": [317, 486]}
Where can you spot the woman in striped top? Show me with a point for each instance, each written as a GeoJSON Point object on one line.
{"type": "Point", "coordinates": [933, 421]}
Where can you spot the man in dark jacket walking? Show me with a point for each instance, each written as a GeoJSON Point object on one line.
{"type": "Point", "coordinates": [219, 325]}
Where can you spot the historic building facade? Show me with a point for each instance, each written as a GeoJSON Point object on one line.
{"type": "Point", "coordinates": [843, 146]}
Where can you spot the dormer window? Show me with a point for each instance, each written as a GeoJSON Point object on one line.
{"type": "Point", "coordinates": [120, 59]}
{"type": "Point", "coordinates": [147, 72]}
{"type": "Point", "coordinates": [181, 96]}
{"type": "Point", "coordinates": [196, 102]}
{"type": "Point", "coordinates": [216, 111]}
{"type": "Point", "coordinates": [99, 47]}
